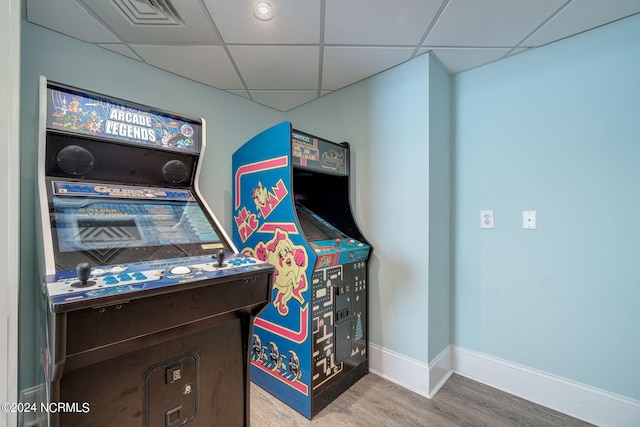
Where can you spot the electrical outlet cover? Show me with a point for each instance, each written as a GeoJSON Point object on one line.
{"type": "Point", "coordinates": [529, 220]}
{"type": "Point", "coordinates": [486, 219]}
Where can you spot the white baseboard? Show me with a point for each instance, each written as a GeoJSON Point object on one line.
{"type": "Point", "coordinates": [409, 373]}
{"type": "Point", "coordinates": [440, 370]}
{"type": "Point", "coordinates": [580, 401]}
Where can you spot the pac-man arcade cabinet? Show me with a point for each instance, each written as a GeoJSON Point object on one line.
{"type": "Point", "coordinates": [292, 209]}
{"type": "Point", "coordinates": [146, 305]}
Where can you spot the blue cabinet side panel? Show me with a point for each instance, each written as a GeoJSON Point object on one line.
{"type": "Point", "coordinates": [265, 226]}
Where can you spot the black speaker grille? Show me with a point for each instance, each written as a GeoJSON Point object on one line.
{"type": "Point", "coordinates": [75, 160]}
{"type": "Point", "coordinates": [175, 171]}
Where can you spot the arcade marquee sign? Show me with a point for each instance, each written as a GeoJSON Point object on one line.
{"type": "Point", "coordinates": [74, 112]}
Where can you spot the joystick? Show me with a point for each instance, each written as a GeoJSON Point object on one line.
{"type": "Point", "coordinates": [220, 257]}
{"type": "Point", "coordinates": [83, 270]}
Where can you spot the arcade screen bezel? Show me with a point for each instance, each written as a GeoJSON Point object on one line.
{"type": "Point", "coordinates": [126, 253]}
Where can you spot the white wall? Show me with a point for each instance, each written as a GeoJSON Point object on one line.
{"type": "Point", "coordinates": [9, 197]}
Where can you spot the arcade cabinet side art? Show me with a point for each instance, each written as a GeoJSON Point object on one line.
{"type": "Point", "coordinates": [265, 227]}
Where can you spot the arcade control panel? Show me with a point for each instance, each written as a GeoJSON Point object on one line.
{"type": "Point", "coordinates": [346, 250]}
{"type": "Point", "coordinates": [86, 286]}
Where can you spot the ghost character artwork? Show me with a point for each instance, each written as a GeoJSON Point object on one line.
{"type": "Point", "coordinates": [291, 209]}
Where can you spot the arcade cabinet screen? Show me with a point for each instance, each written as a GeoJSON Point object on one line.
{"type": "Point", "coordinates": [99, 225]}
{"type": "Point", "coordinates": [108, 231]}
{"type": "Point", "coordinates": [315, 228]}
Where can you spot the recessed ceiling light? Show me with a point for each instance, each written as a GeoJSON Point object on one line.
{"type": "Point", "coordinates": [263, 11]}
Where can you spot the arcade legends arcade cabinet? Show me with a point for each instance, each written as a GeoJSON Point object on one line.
{"type": "Point", "coordinates": [146, 306]}
{"type": "Point", "coordinates": [291, 209]}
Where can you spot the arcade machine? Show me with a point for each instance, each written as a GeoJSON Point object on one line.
{"type": "Point", "coordinates": [146, 305]}
{"type": "Point", "coordinates": [291, 209]}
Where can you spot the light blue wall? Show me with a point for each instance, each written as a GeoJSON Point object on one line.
{"type": "Point", "coordinates": [230, 121]}
{"type": "Point", "coordinates": [555, 130]}
{"type": "Point", "coordinates": [440, 223]}
{"type": "Point", "coordinates": [387, 121]}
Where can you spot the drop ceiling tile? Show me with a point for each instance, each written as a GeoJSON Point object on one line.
{"type": "Point", "coordinates": [281, 57]}
{"type": "Point", "coordinates": [67, 17]}
{"type": "Point", "coordinates": [363, 22]}
{"type": "Point", "coordinates": [580, 16]}
{"type": "Point", "coordinates": [283, 100]}
{"type": "Point", "coordinates": [122, 49]}
{"type": "Point", "coordinates": [205, 64]}
{"type": "Point", "coordinates": [461, 59]}
{"type": "Point", "coordinates": [293, 22]}
{"type": "Point", "coordinates": [197, 26]}
{"type": "Point", "coordinates": [344, 65]}
{"type": "Point", "coordinates": [494, 23]}
{"type": "Point", "coordinates": [277, 67]}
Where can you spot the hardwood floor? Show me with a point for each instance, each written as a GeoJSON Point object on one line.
{"type": "Point", "coordinates": [374, 401]}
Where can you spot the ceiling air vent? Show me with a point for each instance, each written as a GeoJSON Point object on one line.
{"type": "Point", "coordinates": [149, 12]}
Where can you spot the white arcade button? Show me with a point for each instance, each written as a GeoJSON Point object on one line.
{"type": "Point", "coordinates": [180, 270]}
